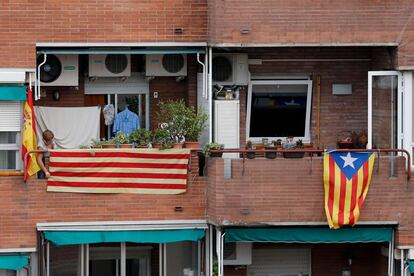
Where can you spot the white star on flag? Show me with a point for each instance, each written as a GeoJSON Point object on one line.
{"type": "Point", "coordinates": [349, 160]}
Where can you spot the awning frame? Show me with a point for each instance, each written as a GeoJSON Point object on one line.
{"type": "Point", "coordinates": [86, 51]}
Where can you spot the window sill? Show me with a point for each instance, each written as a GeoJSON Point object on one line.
{"type": "Point", "coordinates": [11, 173]}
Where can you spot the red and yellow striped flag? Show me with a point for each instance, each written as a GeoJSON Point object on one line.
{"type": "Point", "coordinates": [346, 181]}
{"type": "Point", "coordinates": [29, 140]}
{"type": "Point", "coordinates": [145, 171]}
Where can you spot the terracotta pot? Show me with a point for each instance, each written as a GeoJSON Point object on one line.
{"type": "Point", "coordinates": [109, 146]}
{"type": "Point", "coordinates": [156, 146]}
{"type": "Point", "coordinates": [125, 146]}
{"type": "Point", "coordinates": [141, 147]}
{"type": "Point", "coordinates": [178, 146]}
{"type": "Point", "coordinates": [192, 145]}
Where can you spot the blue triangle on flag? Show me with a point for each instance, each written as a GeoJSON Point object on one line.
{"type": "Point", "coordinates": [350, 162]}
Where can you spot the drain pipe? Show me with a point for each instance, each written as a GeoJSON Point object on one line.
{"type": "Point", "coordinates": [204, 74]}
{"type": "Point", "coordinates": [210, 93]}
{"type": "Point", "coordinates": [37, 84]}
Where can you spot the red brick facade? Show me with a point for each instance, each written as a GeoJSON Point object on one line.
{"type": "Point", "coordinates": [309, 22]}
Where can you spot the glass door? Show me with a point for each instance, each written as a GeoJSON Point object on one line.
{"type": "Point", "coordinates": [384, 110]}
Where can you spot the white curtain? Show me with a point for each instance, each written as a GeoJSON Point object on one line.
{"type": "Point", "coordinates": [72, 126]}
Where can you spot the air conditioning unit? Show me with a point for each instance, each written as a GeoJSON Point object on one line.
{"type": "Point", "coordinates": [230, 69]}
{"type": "Point", "coordinates": [118, 65]}
{"type": "Point", "coordinates": [237, 253]}
{"type": "Point", "coordinates": [59, 70]}
{"type": "Point", "coordinates": [172, 65]}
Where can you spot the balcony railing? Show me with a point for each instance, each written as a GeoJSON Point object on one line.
{"type": "Point", "coordinates": [312, 152]}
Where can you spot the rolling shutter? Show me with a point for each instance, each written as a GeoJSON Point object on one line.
{"type": "Point", "coordinates": [10, 116]}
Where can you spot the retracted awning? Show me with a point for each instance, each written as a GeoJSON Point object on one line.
{"type": "Point", "coordinates": [13, 262]}
{"type": "Point", "coordinates": [12, 93]}
{"type": "Point", "coordinates": [309, 235]}
{"type": "Point", "coordinates": [136, 236]}
{"type": "Point", "coordinates": [85, 51]}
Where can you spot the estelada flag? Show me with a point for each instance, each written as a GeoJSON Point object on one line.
{"type": "Point", "coordinates": [346, 178]}
{"type": "Point", "coordinates": [29, 141]}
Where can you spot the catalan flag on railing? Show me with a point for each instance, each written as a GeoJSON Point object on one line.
{"type": "Point", "coordinates": [346, 177]}
{"type": "Point", "coordinates": [146, 171]}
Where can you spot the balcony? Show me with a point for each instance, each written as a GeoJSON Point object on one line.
{"type": "Point", "coordinates": [286, 191]}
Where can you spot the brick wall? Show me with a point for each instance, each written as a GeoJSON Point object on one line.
{"type": "Point", "coordinates": [291, 190]}
{"type": "Point", "coordinates": [338, 114]}
{"type": "Point", "coordinates": [308, 21]}
{"type": "Point", "coordinates": [25, 23]}
{"type": "Point", "coordinates": [25, 204]}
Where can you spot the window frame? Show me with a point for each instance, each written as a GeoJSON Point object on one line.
{"type": "Point", "coordinates": [15, 146]}
{"type": "Point", "coordinates": [306, 138]}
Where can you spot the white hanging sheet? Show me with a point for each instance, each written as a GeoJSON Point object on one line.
{"type": "Point", "coordinates": [72, 126]}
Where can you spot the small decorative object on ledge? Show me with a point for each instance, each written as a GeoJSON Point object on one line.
{"type": "Point", "coordinates": [290, 144]}
{"type": "Point", "coordinates": [250, 146]}
{"type": "Point", "coordinates": [352, 140]}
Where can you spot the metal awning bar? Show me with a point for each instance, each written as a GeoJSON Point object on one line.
{"type": "Point", "coordinates": [120, 51]}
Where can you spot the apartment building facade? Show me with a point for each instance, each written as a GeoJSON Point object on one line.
{"type": "Point", "coordinates": [262, 70]}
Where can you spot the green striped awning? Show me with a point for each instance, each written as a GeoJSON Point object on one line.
{"type": "Point", "coordinates": [13, 262]}
{"type": "Point", "coordinates": [136, 236]}
{"type": "Point", "coordinates": [12, 93]}
{"type": "Point", "coordinates": [309, 234]}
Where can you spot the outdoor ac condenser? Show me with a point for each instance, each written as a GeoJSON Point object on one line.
{"type": "Point", "coordinates": [237, 253]}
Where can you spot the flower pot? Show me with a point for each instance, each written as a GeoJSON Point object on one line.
{"type": "Point", "coordinates": [293, 154]}
{"type": "Point", "coordinates": [177, 146]}
{"type": "Point", "coordinates": [109, 146]}
{"type": "Point", "coordinates": [141, 147]}
{"type": "Point", "coordinates": [192, 145]}
{"type": "Point", "coordinates": [215, 154]}
{"type": "Point", "coordinates": [156, 146]}
{"type": "Point", "coordinates": [270, 155]}
{"type": "Point", "coordinates": [250, 155]}
{"type": "Point", "coordinates": [125, 146]}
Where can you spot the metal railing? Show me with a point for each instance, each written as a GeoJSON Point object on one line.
{"type": "Point", "coordinates": [319, 151]}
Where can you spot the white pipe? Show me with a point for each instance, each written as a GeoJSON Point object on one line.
{"type": "Point", "coordinates": [37, 84]}
{"type": "Point", "coordinates": [160, 266]}
{"type": "Point", "coordinates": [204, 74]}
{"type": "Point", "coordinates": [402, 262]}
{"type": "Point", "coordinates": [221, 254]}
{"type": "Point", "coordinates": [211, 249]}
{"type": "Point", "coordinates": [218, 251]}
{"type": "Point", "coordinates": [48, 258]}
{"type": "Point", "coordinates": [210, 93]}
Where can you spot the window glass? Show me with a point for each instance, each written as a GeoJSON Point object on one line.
{"type": "Point", "coordinates": [64, 260]}
{"type": "Point", "coordinates": [138, 259]}
{"type": "Point", "coordinates": [279, 110]}
{"type": "Point", "coordinates": [8, 150]}
{"type": "Point", "coordinates": [7, 272]}
{"type": "Point", "coordinates": [104, 259]}
{"type": "Point", "coordinates": [182, 258]}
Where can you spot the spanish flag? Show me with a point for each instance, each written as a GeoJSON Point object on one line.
{"type": "Point", "coordinates": [346, 177]}
{"type": "Point", "coordinates": [29, 141]}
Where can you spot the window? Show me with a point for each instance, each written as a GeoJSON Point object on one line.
{"type": "Point", "coordinates": [10, 127]}
{"type": "Point", "coordinates": [278, 109]}
{"type": "Point", "coordinates": [137, 103]}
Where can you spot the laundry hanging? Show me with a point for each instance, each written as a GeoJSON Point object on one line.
{"type": "Point", "coordinates": [72, 126]}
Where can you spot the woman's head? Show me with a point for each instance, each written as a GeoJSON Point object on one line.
{"type": "Point", "coordinates": [48, 136]}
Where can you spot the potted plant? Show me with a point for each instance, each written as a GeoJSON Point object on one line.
{"type": "Point", "coordinates": [141, 137]}
{"type": "Point", "coordinates": [96, 143]}
{"type": "Point", "coordinates": [290, 144]}
{"type": "Point", "coordinates": [195, 123]}
{"type": "Point", "coordinates": [213, 146]}
{"type": "Point", "coordinates": [173, 118]}
{"type": "Point", "coordinates": [250, 146]}
{"type": "Point", "coordinates": [161, 139]}
{"type": "Point", "coordinates": [121, 140]}
{"type": "Point", "coordinates": [108, 144]}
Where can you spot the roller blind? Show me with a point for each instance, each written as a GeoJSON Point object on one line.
{"type": "Point", "coordinates": [10, 116]}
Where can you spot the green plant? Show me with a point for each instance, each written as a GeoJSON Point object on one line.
{"type": "Point", "coordinates": [212, 146]}
{"type": "Point", "coordinates": [106, 142]}
{"type": "Point", "coordinates": [120, 138]}
{"type": "Point", "coordinates": [195, 123]}
{"type": "Point", "coordinates": [141, 137]}
{"type": "Point", "coordinates": [162, 138]}
{"type": "Point", "coordinates": [173, 118]}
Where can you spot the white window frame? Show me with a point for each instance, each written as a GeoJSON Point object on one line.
{"type": "Point", "coordinates": [306, 138]}
{"type": "Point", "coordinates": [16, 146]}
{"type": "Point", "coordinates": [372, 74]}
